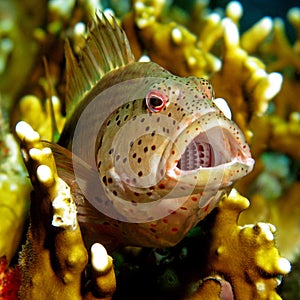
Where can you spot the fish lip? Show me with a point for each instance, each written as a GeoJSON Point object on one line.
{"type": "Point", "coordinates": [228, 146]}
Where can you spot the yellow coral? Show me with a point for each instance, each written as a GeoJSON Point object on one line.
{"type": "Point", "coordinates": [245, 255]}
{"type": "Point", "coordinates": [40, 118]}
{"type": "Point", "coordinates": [160, 39]}
{"type": "Point", "coordinates": [243, 81]}
{"type": "Point", "coordinates": [14, 192]}
{"type": "Point", "coordinates": [54, 242]}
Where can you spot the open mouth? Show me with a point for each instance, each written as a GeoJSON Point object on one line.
{"type": "Point", "coordinates": [211, 153]}
{"type": "Point", "coordinates": [196, 155]}
{"type": "Point", "coordinates": [212, 147]}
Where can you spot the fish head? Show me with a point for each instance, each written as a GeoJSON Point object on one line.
{"type": "Point", "coordinates": [172, 148]}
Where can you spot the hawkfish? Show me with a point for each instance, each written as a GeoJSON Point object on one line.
{"type": "Point", "coordinates": [147, 154]}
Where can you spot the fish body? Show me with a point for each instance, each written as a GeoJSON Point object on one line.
{"type": "Point", "coordinates": [155, 153]}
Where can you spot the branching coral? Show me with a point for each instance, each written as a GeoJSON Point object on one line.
{"type": "Point", "coordinates": [14, 192]}
{"type": "Point", "coordinates": [149, 34]}
{"type": "Point", "coordinates": [54, 243]}
{"type": "Point", "coordinates": [245, 255]}
{"type": "Point", "coordinates": [243, 81]}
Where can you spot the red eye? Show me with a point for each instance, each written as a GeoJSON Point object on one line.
{"type": "Point", "coordinates": [155, 101]}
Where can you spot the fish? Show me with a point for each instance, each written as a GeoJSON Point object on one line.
{"type": "Point", "coordinates": [147, 154]}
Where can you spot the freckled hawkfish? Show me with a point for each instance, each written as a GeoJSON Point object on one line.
{"type": "Point", "coordinates": [147, 154]}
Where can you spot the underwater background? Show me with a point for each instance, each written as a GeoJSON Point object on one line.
{"type": "Point", "coordinates": [253, 63]}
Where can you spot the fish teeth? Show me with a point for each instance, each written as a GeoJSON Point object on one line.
{"type": "Point", "coordinates": [196, 155]}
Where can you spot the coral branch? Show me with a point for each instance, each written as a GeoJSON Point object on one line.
{"type": "Point", "coordinates": [54, 242]}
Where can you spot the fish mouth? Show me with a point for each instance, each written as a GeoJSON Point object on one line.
{"type": "Point", "coordinates": [210, 146]}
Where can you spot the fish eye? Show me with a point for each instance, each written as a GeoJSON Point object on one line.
{"type": "Point", "coordinates": [155, 101]}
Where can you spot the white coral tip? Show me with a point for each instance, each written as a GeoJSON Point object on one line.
{"type": "Point", "coordinates": [44, 173]}
{"type": "Point", "coordinates": [99, 257]}
{"type": "Point", "coordinates": [25, 132]}
{"type": "Point", "coordinates": [284, 265]}
{"type": "Point", "coordinates": [275, 81]}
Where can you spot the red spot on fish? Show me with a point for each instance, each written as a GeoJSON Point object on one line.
{"type": "Point", "coordinates": [153, 225]}
{"type": "Point", "coordinates": [194, 198]}
{"type": "Point", "coordinates": [174, 229]}
{"type": "Point", "coordinates": [165, 221]}
{"type": "Point", "coordinates": [206, 208]}
{"type": "Point", "coordinates": [183, 208]}
{"type": "Point", "coordinates": [161, 186]}
{"type": "Point", "coordinates": [171, 212]}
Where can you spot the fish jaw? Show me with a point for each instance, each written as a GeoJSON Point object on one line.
{"type": "Point", "coordinates": [211, 153]}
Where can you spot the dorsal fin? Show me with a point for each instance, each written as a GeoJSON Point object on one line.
{"type": "Point", "coordinates": [106, 49]}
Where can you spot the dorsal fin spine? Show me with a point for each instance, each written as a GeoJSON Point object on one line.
{"type": "Point", "coordinates": [106, 49]}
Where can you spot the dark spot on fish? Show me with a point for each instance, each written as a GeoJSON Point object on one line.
{"type": "Point", "coordinates": [127, 105]}
{"type": "Point", "coordinates": [139, 142]}
{"type": "Point", "coordinates": [117, 118]}
{"type": "Point", "coordinates": [145, 149]}
{"type": "Point", "coordinates": [104, 180]}
{"type": "Point", "coordinates": [134, 155]}
{"type": "Point", "coordinates": [109, 180]}
{"type": "Point", "coordinates": [153, 230]}
{"type": "Point", "coordinates": [169, 114]}
{"type": "Point", "coordinates": [140, 173]}
{"type": "Point", "coordinates": [119, 122]}
{"type": "Point", "coordinates": [153, 147]}
{"type": "Point", "coordinates": [153, 133]}
{"type": "Point", "coordinates": [149, 194]}
{"type": "Point", "coordinates": [131, 144]}
{"type": "Point", "coordinates": [99, 164]}
{"type": "Point", "coordinates": [108, 122]}
{"type": "Point", "coordinates": [115, 193]}
{"type": "Point", "coordinates": [111, 151]}
{"type": "Point", "coordinates": [142, 120]}
{"type": "Point", "coordinates": [124, 160]}
{"type": "Point", "coordinates": [139, 160]}
{"type": "Point", "coordinates": [98, 199]}
{"type": "Point", "coordinates": [158, 119]}
{"type": "Point", "coordinates": [117, 157]}
{"type": "Point", "coordinates": [136, 194]}
{"type": "Point", "coordinates": [126, 117]}
{"type": "Point", "coordinates": [147, 128]}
